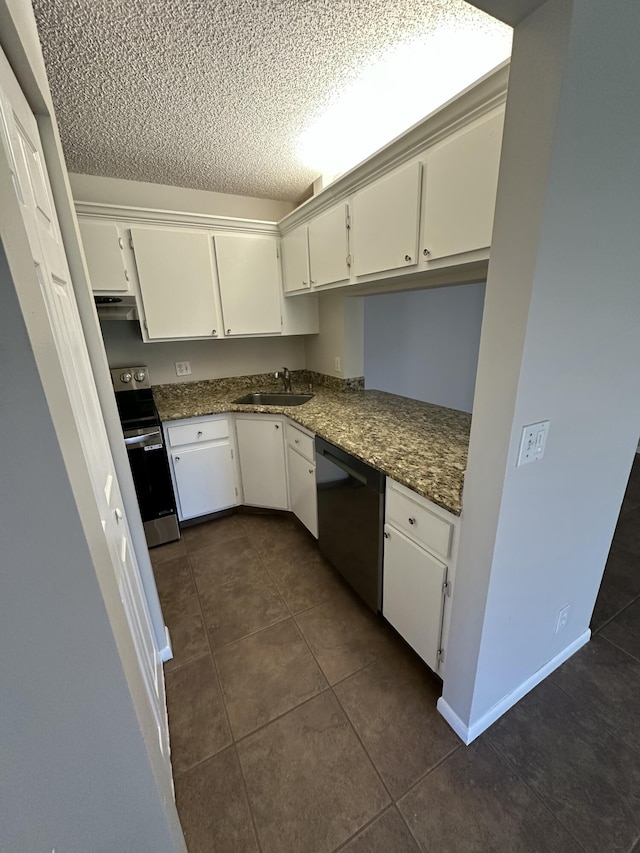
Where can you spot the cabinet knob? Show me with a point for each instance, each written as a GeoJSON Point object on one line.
{"type": "Point", "coordinates": [228, 331]}
{"type": "Point", "coordinates": [386, 535]}
{"type": "Point", "coordinates": [312, 281]}
{"type": "Point", "coordinates": [311, 470]}
{"type": "Point", "coordinates": [297, 440]}
{"type": "Point", "coordinates": [177, 458]}
{"type": "Point", "coordinates": [412, 521]}
{"type": "Point", "coordinates": [426, 252]}
{"type": "Point", "coordinates": [277, 426]}
{"type": "Point", "coordinates": [304, 283]}
{"type": "Point", "coordinates": [214, 333]}
{"type": "Point", "coordinates": [199, 433]}
{"type": "Point", "coordinates": [407, 258]}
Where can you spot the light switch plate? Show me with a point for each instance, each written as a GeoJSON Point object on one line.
{"type": "Point", "coordinates": [183, 368]}
{"type": "Point", "coordinates": [533, 442]}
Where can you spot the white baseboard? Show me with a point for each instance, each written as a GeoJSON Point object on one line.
{"type": "Point", "coordinates": [166, 652]}
{"type": "Point", "coordinates": [467, 734]}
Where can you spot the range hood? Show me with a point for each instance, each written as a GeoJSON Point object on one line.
{"type": "Point", "coordinates": [116, 307]}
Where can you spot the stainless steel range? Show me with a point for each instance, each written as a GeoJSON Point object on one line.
{"type": "Point", "coordinates": [147, 455]}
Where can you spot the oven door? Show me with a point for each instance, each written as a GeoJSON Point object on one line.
{"type": "Point", "coordinates": [150, 470]}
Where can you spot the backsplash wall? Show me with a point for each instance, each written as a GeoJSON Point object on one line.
{"type": "Point", "coordinates": [209, 359]}
{"type": "Point", "coordinates": [424, 344]}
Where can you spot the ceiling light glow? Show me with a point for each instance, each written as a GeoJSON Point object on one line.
{"type": "Point", "coordinates": [396, 90]}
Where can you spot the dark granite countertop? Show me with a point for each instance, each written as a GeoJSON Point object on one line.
{"type": "Point", "coordinates": [420, 445]}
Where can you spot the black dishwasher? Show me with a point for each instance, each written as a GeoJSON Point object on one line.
{"type": "Point", "coordinates": [351, 519]}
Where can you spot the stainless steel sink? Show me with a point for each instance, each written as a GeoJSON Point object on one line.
{"type": "Point", "coordinates": [262, 398]}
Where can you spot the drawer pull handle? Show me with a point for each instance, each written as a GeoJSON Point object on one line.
{"type": "Point", "coordinates": [407, 258]}
{"type": "Point", "coordinates": [412, 521]}
{"type": "Point", "coordinates": [199, 433]}
{"type": "Point", "coordinates": [387, 535]}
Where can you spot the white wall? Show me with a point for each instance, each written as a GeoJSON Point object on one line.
{"type": "Point", "coordinates": [140, 194]}
{"type": "Point", "coordinates": [424, 343]}
{"type": "Point", "coordinates": [560, 342]}
{"type": "Point", "coordinates": [341, 335]}
{"type": "Point", "coordinates": [209, 359]}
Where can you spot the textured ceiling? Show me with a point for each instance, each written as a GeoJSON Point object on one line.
{"type": "Point", "coordinates": [215, 94]}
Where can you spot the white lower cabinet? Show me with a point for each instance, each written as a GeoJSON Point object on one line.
{"type": "Point", "coordinates": [202, 462]}
{"type": "Point", "coordinates": [263, 466]}
{"type": "Point", "coordinates": [302, 477]}
{"type": "Point", "coordinates": [420, 546]}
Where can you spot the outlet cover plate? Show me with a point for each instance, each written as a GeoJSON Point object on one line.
{"type": "Point", "coordinates": [183, 368]}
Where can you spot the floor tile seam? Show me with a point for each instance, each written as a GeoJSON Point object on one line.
{"type": "Point", "coordinates": [245, 788]}
{"type": "Point", "coordinates": [186, 663]}
{"type": "Point", "coordinates": [215, 670]}
{"type": "Point", "coordinates": [244, 636]}
{"type": "Point", "coordinates": [216, 545]}
{"type": "Point", "coordinates": [362, 744]}
{"type": "Point", "coordinates": [618, 613]}
{"type": "Point", "coordinates": [617, 645]}
{"type": "Point", "coordinates": [431, 770]}
{"type": "Point", "coordinates": [363, 828]}
{"type": "Point", "coordinates": [175, 773]}
{"type": "Point", "coordinates": [258, 631]}
{"type": "Point", "coordinates": [274, 582]}
{"type": "Point", "coordinates": [538, 796]}
{"type": "Point", "coordinates": [239, 740]}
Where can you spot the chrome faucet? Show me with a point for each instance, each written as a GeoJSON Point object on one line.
{"type": "Point", "coordinates": [286, 379]}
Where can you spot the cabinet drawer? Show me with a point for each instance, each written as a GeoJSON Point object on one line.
{"type": "Point", "coordinates": [421, 525]}
{"type": "Point", "coordinates": [198, 432]}
{"type": "Point", "coordinates": [301, 442]}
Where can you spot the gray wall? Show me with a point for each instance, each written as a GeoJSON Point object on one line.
{"type": "Point", "coordinates": [560, 341]}
{"type": "Point", "coordinates": [209, 359]}
{"type": "Point", "coordinates": [424, 344]}
{"type": "Point", "coordinates": [75, 773]}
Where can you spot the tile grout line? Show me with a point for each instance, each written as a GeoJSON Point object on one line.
{"type": "Point", "coordinates": [512, 766]}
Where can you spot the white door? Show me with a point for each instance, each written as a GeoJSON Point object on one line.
{"type": "Point", "coordinates": [204, 478]}
{"type": "Point", "coordinates": [460, 191]}
{"type": "Point", "coordinates": [295, 260]}
{"type": "Point", "coordinates": [384, 227]}
{"type": "Point", "coordinates": [249, 284]}
{"type": "Point", "coordinates": [262, 462]}
{"type": "Point", "coordinates": [329, 246]}
{"type": "Point", "coordinates": [21, 136]}
{"type": "Point", "coordinates": [302, 490]}
{"type": "Point", "coordinates": [413, 594]}
{"type": "Point", "coordinates": [103, 246]}
{"type": "Point", "coordinates": [175, 271]}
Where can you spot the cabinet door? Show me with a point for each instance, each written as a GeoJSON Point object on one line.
{"type": "Point", "coordinates": [103, 244]}
{"type": "Point", "coordinates": [460, 191]}
{"type": "Point", "coordinates": [302, 490]}
{"type": "Point", "coordinates": [204, 479]}
{"type": "Point", "coordinates": [262, 462]}
{"type": "Point", "coordinates": [175, 269]}
{"type": "Point", "coordinates": [329, 246]}
{"type": "Point", "coordinates": [384, 226]}
{"type": "Point", "coordinates": [413, 597]}
{"type": "Point", "coordinates": [295, 260]}
{"type": "Point", "coordinates": [249, 284]}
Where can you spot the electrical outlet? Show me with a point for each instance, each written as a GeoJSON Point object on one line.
{"type": "Point", "coordinates": [183, 368]}
{"type": "Point", "coordinates": [337, 365]}
{"type": "Point", "coordinates": [563, 618]}
{"type": "Point", "coordinates": [533, 442]}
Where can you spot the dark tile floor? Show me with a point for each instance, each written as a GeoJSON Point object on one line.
{"type": "Point", "coordinates": [301, 724]}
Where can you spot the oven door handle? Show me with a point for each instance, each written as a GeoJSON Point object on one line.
{"type": "Point", "coordinates": [147, 439]}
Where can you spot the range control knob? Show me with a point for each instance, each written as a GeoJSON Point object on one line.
{"type": "Point", "coordinates": [125, 377]}
{"type": "Point", "coordinates": [139, 375]}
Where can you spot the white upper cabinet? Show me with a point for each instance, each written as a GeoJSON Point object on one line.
{"type": "Point", "coordinates": [295, 260]}
{"type": "Point", "coordinates": [249, 283]}
{"type": "Point", "coordinates": [384, 227]}
{"type": "Point", "coordinates": [329, 246]}
{"type": "Point", "coordinates": [176, 274]}
{"type": "Point", "coordinates": [461, 180]}
{"type": "Point", "coordinates": [104, 248]}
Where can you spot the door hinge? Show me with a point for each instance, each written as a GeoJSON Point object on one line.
{"type": "Point", "coordinates": [232, 456]}
{"type": "Point", "coordinates": [120, 243]}
{"type": "Point", "coordinates": [349, 260]}
{"type": "Point", "coordinates": [440, 657]}
{"type": "Point", "coordinates": [348, 223]}
{"type": "Point", "coordinates": [131, 242]}
{"type": "Point", "coordinates": [277, 251]}
{"type": "Point", "coordinates": [236, 489]}
{"type": "Point", "coordinates": [446, 588]}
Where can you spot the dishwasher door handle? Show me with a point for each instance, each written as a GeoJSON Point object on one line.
{"type": "Point", "coordinates": [340, 464]}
